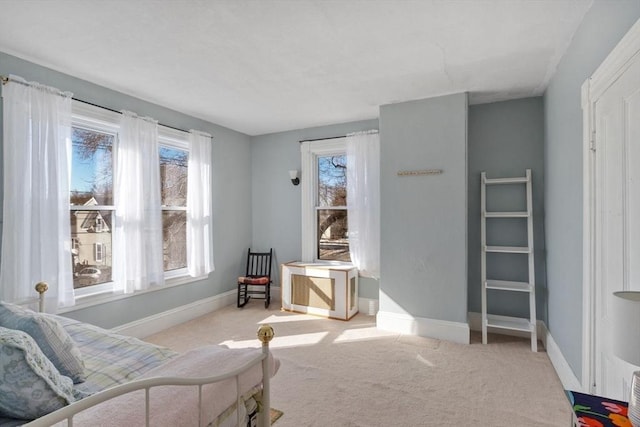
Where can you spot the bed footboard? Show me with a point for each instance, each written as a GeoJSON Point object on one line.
{"type": "Point", "coordinates": [265, 334]}
{"type": "Point", "coordinates": [66, 415]}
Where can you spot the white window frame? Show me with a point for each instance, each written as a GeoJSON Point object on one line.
{"type": "Point", "coordinates": [104, 120]}
{"type": "Point", "coordinates": [311, 150]}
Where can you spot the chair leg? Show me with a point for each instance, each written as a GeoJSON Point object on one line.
{"type": "Point", "coordinates": [243, 297]}
{"type": "Point", "coordinates": [267, 296]}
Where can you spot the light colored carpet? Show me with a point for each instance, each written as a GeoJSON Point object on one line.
{"type": "Point", "coordinates": [337, 373]}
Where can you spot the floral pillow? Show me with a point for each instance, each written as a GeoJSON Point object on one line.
{"type": "Point", "coordinates": [30, 385]}
{"type": "Point", "coordinates": [52, 338]}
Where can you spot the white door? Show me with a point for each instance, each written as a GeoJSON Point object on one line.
{"type": "Point", "coordinates": [617, 219]}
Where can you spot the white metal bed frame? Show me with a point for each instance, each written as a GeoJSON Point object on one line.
{"type": "Point", "coordinates": [265, 335]}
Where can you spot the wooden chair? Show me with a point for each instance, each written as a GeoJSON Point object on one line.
{"type": "Point", "coordinates": [257, 278]}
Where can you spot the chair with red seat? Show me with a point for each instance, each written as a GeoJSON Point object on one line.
{"type": "Point", "coordinates": [257, 278]}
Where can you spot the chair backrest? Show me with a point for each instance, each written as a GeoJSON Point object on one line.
{"type": "Point", "coordinates": [259, 264]}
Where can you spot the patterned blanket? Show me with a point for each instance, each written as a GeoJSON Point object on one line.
{"type": "Point", "coordinates": [111, 359]}
{"type": "Point", "coordinates": [596, 411]}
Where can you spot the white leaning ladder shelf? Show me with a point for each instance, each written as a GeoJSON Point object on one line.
{"type": "Point", "coordinates": [505, 322]}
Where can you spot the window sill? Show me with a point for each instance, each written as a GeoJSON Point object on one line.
{"type": "Point", "coordinates": [330, 262]}
{"type": "Point", "coordinates": [104, 297]}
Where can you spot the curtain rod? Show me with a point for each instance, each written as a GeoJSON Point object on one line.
{"type": "Point", "coordinates": [6, 79]}
{"type": "Point", "coordinates": [120, 112]}
{"type": "Point", "coordinates": [338, 137]}
{"type": "Point", "coordinates": [322, 139]}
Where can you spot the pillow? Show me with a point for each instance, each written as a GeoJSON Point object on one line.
{"type": "Point", "coordinates": [30, 385]}
{"type": "Point", "coordinates": [53, 340]}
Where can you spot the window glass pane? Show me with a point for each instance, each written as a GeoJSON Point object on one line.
{"type": "Point", "coordinates": [91, 251]}
{"type": "Point", "coordinates": [174, 233]}
{"type": "Point", "coordinates": [332, 180]}
{"type": "Point", "coordinates": [173, 176]}
{"type": "Point", "coordinates": [91, 167]}
{"type": "Point", "coordinates": [333, 242]}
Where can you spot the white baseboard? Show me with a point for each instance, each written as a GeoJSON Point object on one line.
{"type": "Point", "coordinates": [565, 373]}
{"type": "Point", "coordinates": [276, 293]}
{"type": "Point", "coordinates": [150, 325]}
{"type": "Point", "coordinates": [424, 327]}
{"type": "Point", "coordinates": [475, 323]}
{"type": "Point", "coordinates": [368, 306]}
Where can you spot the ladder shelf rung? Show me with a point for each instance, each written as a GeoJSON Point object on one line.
{"type": "Point", "coordinates": [519, 214]}
{"type": "Point", "coordinates": [511, 323]}
{"type": "Point", "coordinates": [516, 180]}
{"type": "Point", "coordinates": [508, 249]}
{"type": "Point", "coordinates": [508, 285]}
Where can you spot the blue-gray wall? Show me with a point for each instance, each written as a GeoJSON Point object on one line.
{"type": "Point", "coordinates": [231, 197]}
{"type": "Point", "coordinates": [261, 208]}
{"type": "Point", "coordinates": [505, 139]}
{"type": "Point", "coordinates": [277, 204]}
{"type": "Point", "coordinates": [602, 28]}
{"type": "Point", "coordinates": [423, 269]}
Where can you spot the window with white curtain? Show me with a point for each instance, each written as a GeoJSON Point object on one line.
{"type": "Point", "coordinates": [111, 202]}
{"type": "Point", "coordinates": [341, 201]}
{"type": "Point", "coordinates": [94, 133]}
{"type": "Point", "coordinates": [325, 233]}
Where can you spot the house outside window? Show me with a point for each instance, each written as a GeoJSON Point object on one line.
{"type": "Point", "coordinates": [99, 224]}
{"type": "Point", "coordinates": [94, 133]}
{"type": "Point", "coordinates": [325, 233]}
{"type": "Point", "coordinates": [75, 245]}
{"type": "Point", "coordinates": [93, 136]}
{"type": "Point", "coordinates": [99, 252]}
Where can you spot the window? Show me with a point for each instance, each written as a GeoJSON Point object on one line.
{"type": "Point", "coordinates": [332, 241]}
{"type": "Point", "coordinates": [174, 157]}
{"type": "Point", "coordinates": [325, 233]}
{"type": "Point", "coordinates": [94, 135]}
{"type": "Point", "coordinates": [91, 198]}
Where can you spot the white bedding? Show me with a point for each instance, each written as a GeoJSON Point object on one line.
{"type": "Point", "coordinates": [177, 405]}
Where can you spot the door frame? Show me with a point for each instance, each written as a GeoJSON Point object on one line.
{"type": "Point", "coordinates": [625, 53]}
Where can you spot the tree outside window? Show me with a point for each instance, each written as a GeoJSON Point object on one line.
{"type": "Point", "coordinates": [173, 179]}
{"type": "Point", "coordinates": [331, 209]}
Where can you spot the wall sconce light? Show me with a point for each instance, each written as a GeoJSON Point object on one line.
{"type": "Point", "coordinates": [294, 177]}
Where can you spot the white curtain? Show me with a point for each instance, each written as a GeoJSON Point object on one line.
{"type": "Point", "coordinates": [363, 201]}
{"type": "Point", "coordinates": [36, 237]}
{"type": "Point", "coordinates": [199, 206]}
{"type": "Point", "coordinates": [138, 250]}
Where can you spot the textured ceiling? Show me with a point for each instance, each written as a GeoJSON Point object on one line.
{"type": "Point", "coordinates": [267, 66]}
